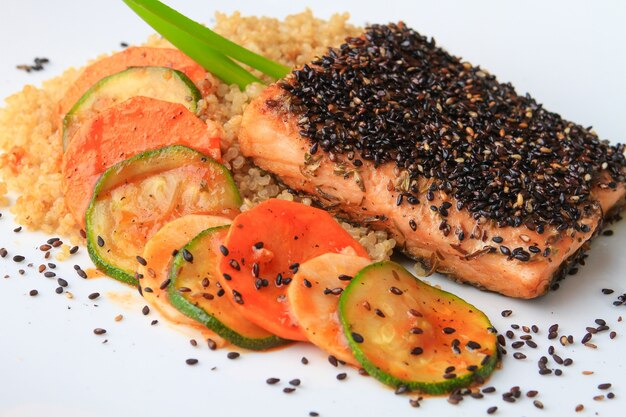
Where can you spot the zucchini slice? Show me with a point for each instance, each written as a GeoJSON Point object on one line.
{"type": "Point", "coordinates": [195, 291]}
{"type": "Point", "coordinates": [160, 83]}
{"type": "Point", "coordinates": [407, 333]}
{"type": "Point", "coordinates": [133, 199]}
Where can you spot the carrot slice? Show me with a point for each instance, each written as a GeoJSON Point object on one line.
{"type": "Point", "coordinates": [314, 298]}
{"type": "Point", "coordinates": [131, 127]}
{"type": "Point", "coordinates": [264, 248]}
{"type": "Point", "coordinates": [158, 256]}
{"type": "Point", "coordinates": [133, 57]}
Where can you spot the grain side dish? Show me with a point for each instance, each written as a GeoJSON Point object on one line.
{"type": "Point", "coordinates": [31, 165]}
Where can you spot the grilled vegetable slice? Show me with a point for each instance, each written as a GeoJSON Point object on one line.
{"type": "Point", "coordinates": [156, 82]}
{"type": "Point", "coordinates": [262, 252]}
{"type": "Point", "coordinates": [314, 296]}
{"type": "Point", "coordinates": [136, 125]}
{"type": "Point", "coordinates": [135, 198]}
{"type": "Point", "coordinates": [195, 291]}
{"type": "Point", "coordinates": [426, 339]}
{"type": "Point", "coordinates": [158, 255]}
{"type": "Point", "coordinates": [133, 57]}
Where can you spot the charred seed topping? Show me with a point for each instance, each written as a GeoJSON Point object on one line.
{"type": "Point", "coordinates": [391, 95]}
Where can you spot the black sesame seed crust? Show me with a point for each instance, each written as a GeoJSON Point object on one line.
{"type": "Point", "coordinates": [391, 95]}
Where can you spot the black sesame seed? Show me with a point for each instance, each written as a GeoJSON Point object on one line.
{"type": "Point", "coordinates": [99, 331]}
{"type": "Point", "coordinates": [288, 390]}
{"type": "Point", "coordinates": [93, 295]}
{"type": "Point", "coordinates": [100, 241]}
{"type": "Point", "coordinates": [401, 389]}
{"type": "Point", "coordinates": [492, 410]}
{"type": "Point", "coordinates": [191, 361]}
{"type": "Point", "coordinates": [604, 386]}
{"type": "Point", "coordinates": [141, 260]}
{"type": "Point", "coordinates": [187, 256]}
{"type": "Point", "coordinates": [333, 360]}
{"type": "Point", "coordinates": [417, 351]}
{"type": "Point", "coordinates": [473, 345]}
{"type": "Point", "coordinates": [272, 381]}
{"type": "Point", "coordinates": [18, 258]}
{"type": "Point", "coordinates": [62, 283]}
{"type": "Point", "coordinates": [357, 337]}
{"type": "Point", "coordinates": [233, 355]}
{"type": "Point", "coordinates": [295, 382]}
{"type": "Point", "coordinates": [145, 310]}
{"type": "Point", "coordinates": [33, 293]}
{"type": "Point", "coordinates": [211, 344]}
{"type": "Point", "coordinates": [342, 376]}
{"type": "Point", "coordinates": [395, 290]}
{"type": "Point", "coordinates": [506, 313]}
{"type": "Point", "coordinates": [304, 361]}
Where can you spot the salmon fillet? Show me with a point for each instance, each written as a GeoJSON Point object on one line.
{"type": "Point", "coordinates": [505, 202]}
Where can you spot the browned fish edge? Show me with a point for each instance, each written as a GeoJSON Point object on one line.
{"type": "Point", "coordinates": [561, 273]}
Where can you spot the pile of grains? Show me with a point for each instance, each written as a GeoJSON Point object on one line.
{"type": "Point", "coordinates": [31, 141]}
{"type": "Point", "coordinates": [393, 96]}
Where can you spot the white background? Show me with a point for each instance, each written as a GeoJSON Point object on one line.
{"type": "Point", "coordinates": [570, 55]}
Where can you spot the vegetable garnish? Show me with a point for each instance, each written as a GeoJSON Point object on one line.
{"type": "Point", "coordinates": [136, 197]}
{"type": "Point", "coordinates": [263, 251]}
{"type": "Point", "coordinates": [194, 291]}
{"type": "Point", "coordinates": [412, 336]}
{"type": "Point", "coordinates": [206, 47]}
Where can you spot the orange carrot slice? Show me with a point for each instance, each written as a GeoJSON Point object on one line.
{"type": "Point", "coordinates": [133, 57]}
{"type": "Point", "coordinates": [131, 127]}
{"type": "Point", "coordinates": [314, 298]}
{"type": "Point", "coordinates": [262, 252]}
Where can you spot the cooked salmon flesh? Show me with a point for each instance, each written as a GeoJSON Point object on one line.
{"type": "Point", "coordinates": [469, 177]}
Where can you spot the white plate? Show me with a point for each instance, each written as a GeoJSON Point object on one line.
{"type": "Point", "coordinates": [568, 54]}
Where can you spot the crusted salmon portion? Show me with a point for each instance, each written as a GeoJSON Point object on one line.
{"type": "Point", "coordinates": [469, 177]}
{"type": "Point", "coordinates": [271, 137]}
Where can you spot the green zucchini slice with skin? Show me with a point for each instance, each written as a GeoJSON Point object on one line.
{"type": "Point", "coordinates": [407, 333]}
{"type": "Point", "coordinates": [133, 199]}
{"type": "Point", "coordinates": [160, 83]}
{"type": "Point", "coordinates": [195, 291]}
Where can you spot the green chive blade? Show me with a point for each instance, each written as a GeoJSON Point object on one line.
{"type": "Point", "coordinates": [213, 61]}
{"type": "Point", "coordinates": [206, 35]}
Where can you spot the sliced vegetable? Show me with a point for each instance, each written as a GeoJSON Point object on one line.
{"type": "Point", "coordinates": [195, 291]}
{"type": "Point", "coordinates": [211, 59]}
{"type": "Point", "coordinates": [126, 129]}
{"type": "Point", "coordinates": [199, 33]}
{"type": "Point", "coordinates": [155, 82]}
{"type": "Point", "coordinates": [407, 333]}
{"type": "Point", "coordinates": [135, 198]}
{"type": "Point", "coordinates": [262, 251]}
{"type": "Point", "coordinates": [158, 255]}
{"type": "Point", "coordinates": [314, 296]}
{"type": "Point", "coordinates": [133, 57]}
